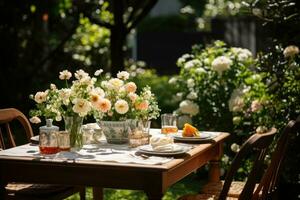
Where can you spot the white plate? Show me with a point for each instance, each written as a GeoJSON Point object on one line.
{"type": "Point", "coordinates": [203, 136]}
{"type": "Point", "coordinates": [147, 149]}
{"type": "Point", "coordinates": [35, 139]}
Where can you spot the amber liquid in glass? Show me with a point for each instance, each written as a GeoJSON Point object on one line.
{"type": "Point", "coordinates": [64, 148]}
{"type": "Point", "coordinates": [169, 129]}
{"type": "Point", "coordinates": [49, 150]}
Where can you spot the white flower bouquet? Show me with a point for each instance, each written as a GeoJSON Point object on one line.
{"type": "Point", "coordinates": [122, 102]}
{"type": "Point", "coordinates": [80, 98]}
{"type": "Point", "coordinates": [107, 99]}
{"type": "Point", "coordinates": [113, 99]}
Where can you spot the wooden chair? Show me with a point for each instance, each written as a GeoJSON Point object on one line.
{"type": "Point", "coordinates": [27, 191]}
{"type": "Point", "coordinates": [257, 146]}
{"type": "Point", "coordinates": [268, 187]}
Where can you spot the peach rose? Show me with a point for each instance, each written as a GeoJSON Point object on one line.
{"type": "Point", "coordinates": [142, 105]}
{"type": "Point", "coordinates": [104, 105]}
{"type": "Point", "coordinates": [130, 87]}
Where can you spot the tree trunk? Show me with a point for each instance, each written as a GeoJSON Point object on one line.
{"type": "Point", "coordinates": [117, 39]}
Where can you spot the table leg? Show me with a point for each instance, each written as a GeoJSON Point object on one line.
{"type": "Point", "coordinates": [154, 195]}
{"type": "Point", "coordinates": [82, 193]}
{"type": "Point", "coordinates": [97, 193]}
{"type": "Point", "coordinates": [214, 167]}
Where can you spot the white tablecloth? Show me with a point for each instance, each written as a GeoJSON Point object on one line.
{"type": "Point", "coordinates": [95, 152]}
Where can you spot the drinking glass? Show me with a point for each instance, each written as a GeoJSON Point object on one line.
{"type": "Point", "coordinates": [63, 140]}
{"type": "Point", "coordinates": [169, 123]}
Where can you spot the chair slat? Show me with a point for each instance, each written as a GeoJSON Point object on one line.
{"type": "Point", "coordinates": [10, 137]}
{"type": "Point", "coordinates": [2, 144]}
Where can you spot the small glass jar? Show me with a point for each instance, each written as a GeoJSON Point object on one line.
{"type": "Point", "coordinates": [139, 134]}
{"type": "Point", "coordinates": [48, 141]}
{"type": "Point", "coordinates": [63, 140]}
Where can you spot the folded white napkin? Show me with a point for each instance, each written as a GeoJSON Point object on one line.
{"type": "Point", "coordinates": [162, 143]}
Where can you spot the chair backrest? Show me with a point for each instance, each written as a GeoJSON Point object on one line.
{"type": "Point", "coordinates": [6, 117]}
{"type": "Point", "coordinates": [257, 146]}
{"type": "Point", "coordinates": [268, 185]}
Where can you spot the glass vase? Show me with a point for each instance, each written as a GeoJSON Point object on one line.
{"type": "Point", "coordinates": [73, 125]}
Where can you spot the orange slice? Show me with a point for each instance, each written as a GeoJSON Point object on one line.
{"type": "Point", "coordinates": [189, 131]}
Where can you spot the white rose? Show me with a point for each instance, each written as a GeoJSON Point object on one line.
{"type": "Point", "coordinates": [115, 84]}
{"type": "Point", "coordinates": [189, 107]}
{"type": "Point", "coordinates": [121, 106]}
{"type": "Point", "coordinates": [104, 84]}
{"type": "Point", "coordinates": [235, 147]}
{"type": "Point", "coordinates": [192, 63]}
{"type": "Point", "coordinates": [35, 120]}
{"type": "Point", "coordinates": [236, 120]}
{"type": "Point", "coordinates": [221, 64]}
{"type": "Point", "coordinates": [186, 56]}
{"type": "Point", "coordinates": [53, 86]}
{"type": "Point", "coordinates": [81, 106]}
{"type": "Point", "coordinates": [58, 118]}
{"type": "Point", "coordinates": [98, 72]}
{"type": "Point", "coordinates": [173, 80]}
{"type": "Point", "coordinates": [98, 91]}
{"type": "Point", "coordinates": [290, 51]}
{"type": "Point", "coordinates": [65, 75]}
{"type": "Point", "coordinates": [40, 97]}
{"type": "Point", "coordinates": [200, 70]}
{"type": "Point", "coordinates": [188, 65]}
{"type": "Point", "coordinates": [80, 74]}
{"type": "Point", "coordinates": [190, 83]}
{"type": "Point", "coordinates": [187, 10]}
{"type": "Point", "coordinates": [183, 58]}
{"type": "Point", "coordinates": [225, 159]}
{"type": "Point", "coordinates": [192, 95]}
{"type": "Point", "coordinates": [180, 61]}
{"type": "Point", "coordinates": [123, 75]}
{"type": "Point", "coordinates": [242, 54]}
{"type": "Point", "coordinates": [65, 94]}
{"type": "Point", "coordinates": [261, 129]}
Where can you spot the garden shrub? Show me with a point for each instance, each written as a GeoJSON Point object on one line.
{"type": "Point", "coordinates": [221, 91]}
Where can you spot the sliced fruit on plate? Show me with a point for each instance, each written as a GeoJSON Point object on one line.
{"type": "Point", "coordinates": [190, 131]}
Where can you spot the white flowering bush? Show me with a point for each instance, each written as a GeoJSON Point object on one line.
{"type": "Point", "coordinates": [215, 83]}
{"type": "Point", "coordinates": [103, 97]}
{"type": "Point", "coordinates": [221, 90]}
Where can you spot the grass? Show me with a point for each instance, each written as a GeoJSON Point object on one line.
{"type": "Point", "coordinates": [190, 184]}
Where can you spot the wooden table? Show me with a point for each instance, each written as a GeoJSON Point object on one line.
{"type": "Point", "coordinates": [152, 179]}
